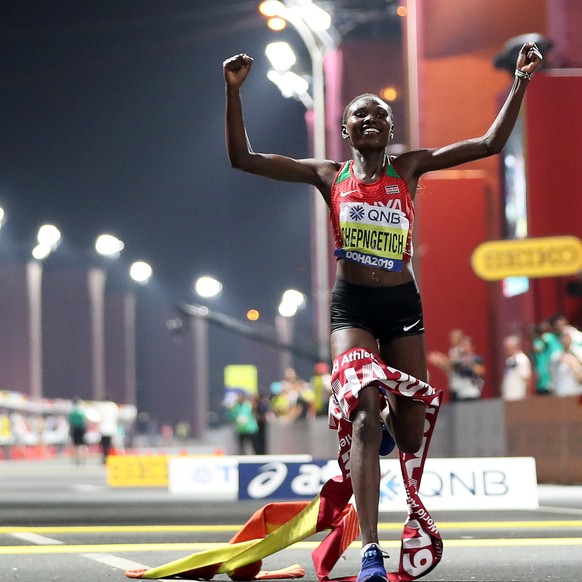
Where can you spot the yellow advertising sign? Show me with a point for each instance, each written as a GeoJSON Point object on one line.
{"type": "Point", "coordinates": [241, 377]}
{"type": "Point", "coordinates": [530, 257]}
{"type": "Point", "coordinates": [137, 471]}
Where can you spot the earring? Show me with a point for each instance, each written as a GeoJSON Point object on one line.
{"type": "Point", "coordinates": [391, 134]}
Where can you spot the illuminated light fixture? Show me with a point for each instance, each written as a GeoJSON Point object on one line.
{"type": "Point", "coordinates": [271, 8]}
{"type": "Point", "coordinates": [402, 11]}
{"type": "Point", "coordinates": [2, 216]}
{"type": "Point", "coordinates": [253, 315]}
{"type": "Point", "coordinates": [287, 309]}
{"type": "Point", "coordinates": [276, 23]}
{"type": "Point", "coordinates": [207, 286]}
{"type": "Point", "coordinates": [280, 55]}
{"type": "Point", "coordinates": [140, 272]}
{"type": "Point", "coordinates": [291, 301]}
{"type": "Point", "coordinates": [108, 245]}
{"type": "Point", "coordinates": [319, 20]}
{"type": "Point", "coordinates": [294, 297]}
{"type": "Point", "coordinates": [41, 251]}
{"type": "Point", "coordinates": [290, 84]}
{"type": "Point", "coordinates": [49, 235]}
{"type": "Point", "coordinates": [389, 93]}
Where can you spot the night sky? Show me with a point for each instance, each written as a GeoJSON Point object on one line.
{"type": "Point", "coordinates": [112, 120]}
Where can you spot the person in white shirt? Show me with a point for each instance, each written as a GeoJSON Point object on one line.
{"type": "Point", "coordinates": [108, 424]}
{"type": "Point", "coordinates": [518, 371]}
{"type": "Point", "coordinates": [566, 369]}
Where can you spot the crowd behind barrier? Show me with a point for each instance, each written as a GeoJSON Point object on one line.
{"type": "Point", "coordinates": [32, 428]}
{"type": "Point", "coordinates": [545, 361]}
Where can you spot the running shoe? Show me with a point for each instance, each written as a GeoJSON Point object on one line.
{"type": "Point", "coordinates": [373, 569]}
{"type": "Point", "coordinates": [387, 443]}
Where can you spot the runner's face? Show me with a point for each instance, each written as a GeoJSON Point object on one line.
{"type": "Point", "coordinates": [368, 123]}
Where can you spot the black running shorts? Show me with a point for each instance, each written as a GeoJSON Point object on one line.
{"type": "Point", "coordinates": [385, 312]}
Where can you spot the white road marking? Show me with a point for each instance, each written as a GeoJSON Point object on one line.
{"type": "Point", "coordinates": [107, 559]}
{"type": "Point", "coordinates": [115, 561]}
{"type": "Point", "coordinates": [37, 539]}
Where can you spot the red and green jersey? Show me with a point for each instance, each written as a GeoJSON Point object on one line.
{"type": "Point", "coordinates": [372, 223]}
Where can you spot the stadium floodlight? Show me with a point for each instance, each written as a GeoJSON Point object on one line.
{"type": "Point", "coordinates": [291, 301]}
{"type": "Point", "coordinates": [207, 286]}
{"type": "Point", "coordinates": [49, 238]}
{"type": "Point", "coordinates": [108, 245]}
{"type": "Point", "coordinates": [49, 235]}
{"type": "Point", "coordinates": [281, 55]}
{"type": "Point", "coordinates": [140, 272]}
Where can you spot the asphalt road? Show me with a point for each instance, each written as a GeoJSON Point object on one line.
{"type": "Point", "coordinates": [60, 522]}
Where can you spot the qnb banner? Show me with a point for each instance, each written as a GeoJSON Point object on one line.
{"type": "Point", "coordinates": [447, 484]}
{"type": "Point", "coordinates": [475, 483]}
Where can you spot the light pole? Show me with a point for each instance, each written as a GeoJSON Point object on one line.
{"type": "Point", "coordinates": [110, 247]}
{"type": "Point", "coordinates": [48, 239]}
{"type": "Point", "coordinates": [140, 272]}
{"type": "Point", "coordinates": [313, 25]}
{"type": "Point", "coordinates": [206, 287]}
{"type": "Point", "coordinates": [291, 302]}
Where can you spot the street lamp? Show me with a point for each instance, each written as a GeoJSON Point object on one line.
{"type": "Point", "coordinates": [282, 58]}
{"type": "Point", "coordinates": [48, 239]}
{"type": "Point", "coordinates": [207, 287]}
{"type": "Point", "coordinates": [291, 301]}
{"type": "Point", "coordinates": [108, 246]}
{"type": "Point", "coordinates": [313, 24]}
{"type": "Point", "coordinates": [140, 272]}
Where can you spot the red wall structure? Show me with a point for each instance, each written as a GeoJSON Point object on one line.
{"type": "Point", "coordinates": [459, 94]}
{"type": "Point", "coordinates": [451, 209]}
{"type": "Point", "coordinates": [554, 140]}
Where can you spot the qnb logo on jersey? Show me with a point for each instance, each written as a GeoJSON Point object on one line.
{"type": "Point", "coordinates": [357, 212]}
{"type": "Point", "coordinates": [390, 214]}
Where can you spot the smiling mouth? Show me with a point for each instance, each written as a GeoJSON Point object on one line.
{"type": "Point", "coordinates": [370, 130]}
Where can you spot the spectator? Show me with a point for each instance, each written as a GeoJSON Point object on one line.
{"type": "Point", "coordinates": [518, 374]}
{"type": "Point", "coordinates": [108, 424]}
{"type": "Point", "coordinates": [182, 431]}
{"type": "Point", "coordinates": [242, 414]}
{"type": "Point", "coordinates": [296, 399]}
{"type": "Point", "coordinates": [544, 343]}
{"type": "Point", "coordinates": [441, 360]}
{"type": "Point", "coordinates": [77, 428]}
{"type": "Point", "coordinates": [467, 372]}
{"type": "Point", "coordinates": [560, 326]}
{"type": "Point", "coordinates": [566, 369]}
{"type": "Point", "coordinates": [263, 413]}
{"type": "Point", "coordinates": [321, 386]}
{"type": "Point", "coordinates": [463, 366]}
